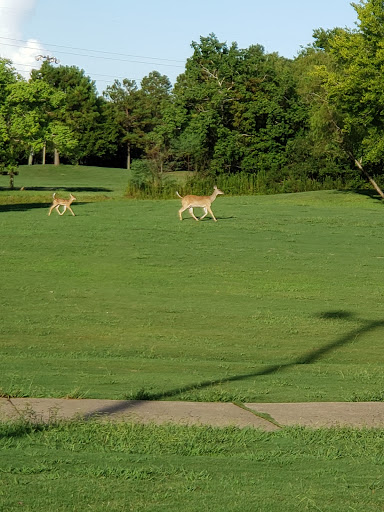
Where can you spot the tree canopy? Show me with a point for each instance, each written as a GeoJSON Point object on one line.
{"type": "Point", "coordinates": [231, 111]}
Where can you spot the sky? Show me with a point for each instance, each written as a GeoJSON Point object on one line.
{"type": "Point", "coordinates": [117, 39]}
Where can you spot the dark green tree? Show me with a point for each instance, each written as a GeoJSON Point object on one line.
{"type": "Point", "coordinates": [138, 112]}
{"type": "Point", "coordinates": [348, 100]}
{"type": "Point", "coordinates": [124, 109]}
{"type": "Point", "coordinates": [237, 108]}
{"type": "Point", "coordinates": [154, 98]}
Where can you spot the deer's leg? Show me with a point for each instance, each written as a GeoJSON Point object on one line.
{"type": "Point", "coordinates": [211, 212]}
{"type": "Point", "coordinates": [70, 209]}
{"type": "Point", "coordinates": [51, 208]}
{"type": "Point", "coordinates": [205, 213]}
{"type": "Point", "coordinates": [180, 213]}
{"type": "Point", "coordinates": [58, 210]}
{"type": "Point", "coordinates": [192, 214]}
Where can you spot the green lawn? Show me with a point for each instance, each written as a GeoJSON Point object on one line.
{"type": "Point", "coordinates": [40, 181]}
{"type": "Point", "coordinates": [280, 300]}
{"type": "Point", "coordinates": [98, 467]}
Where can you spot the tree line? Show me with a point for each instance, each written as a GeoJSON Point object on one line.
{"type": "Point", "coordinates": [232, 112]}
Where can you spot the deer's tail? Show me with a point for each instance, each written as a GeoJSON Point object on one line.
{"type": "Point", "coordinates": [53, 197]}
{"type": "Point", "coordinates": [181, 197]}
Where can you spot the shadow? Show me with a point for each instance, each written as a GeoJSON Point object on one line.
{"type": "Point", "coordinates": [372, 194]}
{"type": "Point", "coordinates": [22, 429]}
{"type": "Point", "coordinates": [307, 358]}
{"type": "Point", "coordinates": [22, 207]}
{"type": "Point", "coordinates": [218, 218]}
{"type": "Point", "coordinates": [57, 189]}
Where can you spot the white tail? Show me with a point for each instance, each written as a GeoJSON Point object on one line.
{"type": "Point", "coordinates": [57, 202]}
{"type": "Point", "coordinates": [191, 202]}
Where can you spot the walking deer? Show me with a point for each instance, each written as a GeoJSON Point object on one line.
{"type": "Point", "coordinates": [190, 202]}
{"type": "Point", "coordinates": [57, 202]}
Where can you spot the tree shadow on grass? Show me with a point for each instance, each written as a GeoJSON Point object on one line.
{"type": "Point", "coordinates": [308, 358]}
{"type": "Point", "coordinates": [23, 207]}
{"type": "Point", "coordinates": [372, 194]}
{"type": "Point", "coordinates": [59, 188]}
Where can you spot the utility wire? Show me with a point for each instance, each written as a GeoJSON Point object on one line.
{"type": "Point", "coordinates": [112, 78]}
{"type": "Point", "coordinates": [93, 74]}
{"type": "Point", "coordinates": [97, 57]}
{"type": "Point", "coordinates": [95, 51]}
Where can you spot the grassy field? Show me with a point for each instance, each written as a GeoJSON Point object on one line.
{"type": "Point", "coordinates": [280, 300]}
{"type": "Point", "coordinates": [40, 181]}
{"type": "Point", "coordinates": [98, 467]}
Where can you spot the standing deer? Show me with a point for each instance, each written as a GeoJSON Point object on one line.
{"type": "Point", "coordinates": [191, 202]}
{"type": "Point", "coordinates": [57, 202]}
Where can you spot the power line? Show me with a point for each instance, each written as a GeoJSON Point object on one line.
{"type": "Point", "coordinates": [97, 57]}
{"type": "Point", "coordinates": [93, 74]}
{"type": "Point", "coordinates": [112, 77]}
{"type": "Point", "coordinates": [95, 51]}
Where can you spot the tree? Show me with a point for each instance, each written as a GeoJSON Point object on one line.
{"type": "Point", "coordinates": [204, 94]}
{"type": "Point", "coordinates": [349, 100]}
{"type": "Point", "coordinates": [153, 98]}
{"type": "Point", "coordinates": [8, 77]}
{"type": "Point", "coordinates": [238, 107]}
{"type": "Point", "coordinates": [122, 102]}
{"type": "Point", "coordinates": [138, 112]}
{"type": "Point", "coordinates": [80, 113]}
{"type": "Point", "coordinates": [31, 110]}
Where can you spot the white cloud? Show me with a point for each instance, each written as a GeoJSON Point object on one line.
{"type": "Point", "coordinates": [13, 15]}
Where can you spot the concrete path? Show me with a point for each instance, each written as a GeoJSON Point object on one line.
{"type": "Point", "coordinates": [258, 415]}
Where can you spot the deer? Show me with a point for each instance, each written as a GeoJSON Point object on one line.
{"type": "Point", "coordinates": [57, 202]}
{"type": "Point", "coordinates": [190, 202]}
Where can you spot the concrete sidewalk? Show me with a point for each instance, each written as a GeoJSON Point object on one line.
{"type": "Point", "coordinates": [268, 416]}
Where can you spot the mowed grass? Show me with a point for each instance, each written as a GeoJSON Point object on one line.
{"type": "Point", "coordinates": [280, 300]}
{"type": "Point", "coordinates": [103, 466]}
{"type": "Point", "coordinates": [40, 181]}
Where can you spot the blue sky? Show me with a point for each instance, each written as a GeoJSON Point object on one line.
{"type": "Point", "coordinates": [155, 35]}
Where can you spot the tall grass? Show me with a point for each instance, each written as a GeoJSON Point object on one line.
{"type": "Point", "coordinates": [241, 184]}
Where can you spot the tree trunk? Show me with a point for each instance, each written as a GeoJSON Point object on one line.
{"type": "Point", "coordinates": [30, 158]}
{"type": "Point", "coordinates": [56, 157]}
{"type": "Point", "coordinates": [358, 163]}
{"type": "Point", "coordinates": [44, 152]}
{"type": "Point", "coordinates": [128, 156]}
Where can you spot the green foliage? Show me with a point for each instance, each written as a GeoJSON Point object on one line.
{"type": "Point", "coordinates": [78, 117]}
{"type": "Point", "coordinates": [140, 173]}
{"type": "Point", "coordinates": [349, 102]}
{"type": "Point", "coordinates": [289, 123]}
{"type": "Point", "coordinates": [137, 113]}
{"type": "Point", "coordinates": [242, 107]}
